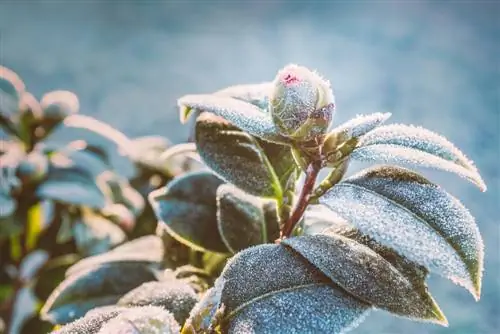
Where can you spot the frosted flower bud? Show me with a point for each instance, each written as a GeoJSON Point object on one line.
{"type": "Point", "coordinates": [301, 103]}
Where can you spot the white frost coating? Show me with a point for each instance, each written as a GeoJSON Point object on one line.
{"type": "Point", "coordinates": [61, 97]}
{"type": "Point", "coordinates": [419, 139]}
{"type": "Point", "coordinates": [396, 227]}
{"type": "Point", "coordinates": [256, 94]}
{"type": "Point", "coordinates": [244, 115]}
{"type": "Point", "coordinates": [362, 124]}
{"type": "Point", "coordinates": [389, 153]}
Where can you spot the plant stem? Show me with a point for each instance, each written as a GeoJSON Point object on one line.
{"type": "Point", "coordinates": [311, 175]}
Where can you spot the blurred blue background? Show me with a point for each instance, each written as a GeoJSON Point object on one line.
{"type": "Point", "coordinates": [434, 64]}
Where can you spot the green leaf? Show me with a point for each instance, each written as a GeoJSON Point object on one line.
{"type": "Point", "coordinates": [268, 289]}
{"type": "Point", "coordinates": [187, 208]}
{"type": "Point", "coordinates": [147, 250]}
{"type": "Point", "coordinates": [244, 115]}
{"type": "Point", "coordinates": [236, 156]}
{"type": "Point", "coordinates": [96, 286]}
{"type": "Point", "coordinates": [367, 275]}
{"type": "Point", "coordinates": [404, 211]}
{"type": "Point", "coordinates": [405, 144]}
{"type": "Point", "coordinates": [11, 89]}
{"type": "Point", "coordinates": [241, 219]}
{"type": "Point", "coordinates": [174, 296]}
{"type": "Point", "coordinates": [51, 274]}
{"type": "Point", "coordinates": [92, 322]}
{"type": "Point", "coordinates": [146, 319]}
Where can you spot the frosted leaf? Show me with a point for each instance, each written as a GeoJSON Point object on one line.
{"type": "Point", "coordinates": [388, 153]}
{"type": "Point", "coordinates": [367, 275]}
{"type": "Point", "coordinates": [244, 115]}
{"type": "Point", "coordinates": [240, 218]}
{"type": "Point", "coordinates": [92, 322]}
{"type": "Point", "coordinates": [256, 94]}
{"type": "Point", "coordinates": [142, 320]}
{"type": "Point", "coordinates": [361, 124]}
{"type": "Point", "coordinates": [402, 210]}
{"type": "Point", "coordinates": [268, 288]}
{"type": "Point", "coordinates": [144, 250]}
{"type": "Point", "coordinates": [95, 234]}
{"type": "Point", "coordinates": [96, 286]}
{"type": "Point", "coordinates": [187, 209]}
{"type": "Point", "coordinates": [318, 218]}
{"type": "Point", "coordinates": [59, 104]}
{"type": "Point", "coordinates": [236, 156]}
{"type": "Point", "coordinates": [174, 296]}
{"type": "Point", "coordinates": [11, 90]}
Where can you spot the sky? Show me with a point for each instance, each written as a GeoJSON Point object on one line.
{"type": "Point", "coordinates": [433, 64]}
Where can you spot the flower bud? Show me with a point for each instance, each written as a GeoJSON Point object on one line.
{"type": "Point", "coordinates": [301, 103]}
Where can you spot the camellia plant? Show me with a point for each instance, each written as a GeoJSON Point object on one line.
{"type": "Point", "coordinates": [274, 249]}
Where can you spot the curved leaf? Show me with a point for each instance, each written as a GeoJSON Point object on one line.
{"type": "Point", "coordinates": [95, 286]}
{"type": "Point", "coordinates": [406, 144]}
{"type": "Point", "coordinates": [420, 221]}
{"type": "Point", "coordinates": [236, 157]}
{"type": "Point", "coordinates": [187, 208]}
{"type": "Point", "coordinates": [181, 158]}
{"type": "Point", "coordinates": [51, 274]}
{"type": "Point", "coordinates": [92, 322]}
{"type": "Point", "coordinates": [241, 218]}
{"type": "Point", "coordinates": [174, 296]}
{"type": "Point", "coordinates": [259, 294]}
{"type": "Point", "coordinates": [361, 124]}
{"type": "Point", "coordinates": [366, 275]}
{"type": "Point", "coordinates": [256, 94]}
{"type": "Point", "coordinates": [11, 89]}
{"type": "Point", "coordinates": [145, 250]}
{"type": "Point", "coordinates": [146, 319]}
{"type": "Point", "coordinates": [244, 115]}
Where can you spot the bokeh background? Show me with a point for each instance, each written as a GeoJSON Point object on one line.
{"type": "Point", "coordinates": [434, 64]}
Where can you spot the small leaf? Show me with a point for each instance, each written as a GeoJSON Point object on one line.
{"type": "Point", "coordinates": [402, 210]}
{"type": "Point", "coordinates": [180, 159]}
{"type": "Point", "coordinates": [361, 124]}
{"type": "Point", "coordinates": [92, 322]}
{"type": "Point", "coordinates": [236, 157]}
{"type": "Point", "coordinates": [404, 144]}
{"type": "Point", "coordinates": [187, 208]}
{"type": "Point", "coordinates": [145, 250]}
{"type": "Point", "coordinates": [244, 115]}
{"type": "Point", "coordinates": [11, 89]}
{"type": "Point", "coordinates": [174, 296]}
{"type": "Point", "coordinates": [51, 274]}
{"type": "Point", "coordinates": [268, 289]}
{"type": "Point", "coordinates": [96, 286]}
{"type": "Point", "coordinates": [241, 219]}
{"type": "Point", "coordinates": [366, 275]}
{"type": "Point", "coordinates": [59, 104]}
{"type": "Point", "coordinates": [256, 94]}
{"type": "Point", "coordinates": [146, 319]}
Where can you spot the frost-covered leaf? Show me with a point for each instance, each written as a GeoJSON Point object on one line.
{"type": "Point", "coordinates": [318, 218]}
{"type": "Point", "coordinates": [51, 274]}
{"type": "Point", "coordinates": [71, 186]}
{"type": "Point", "coordinates": [402, 210]}
{"type": "Point", "coordinates": [180, 159]}
{"type": "Point", "coordinates": [281, 159]}
{"type": "Point", "coordinates": [236, 156]}
{"type": "Point", "coordinates": [92, 322]}
{"type": "Point", "coordinates": [361, 124]}
{"type": "Point", "coordinates": [203, 316]}
{"type": "Point", "coordinates": [241, 218]}
{"type": "Point", "coordinates": [144, 250]}
{"type": "Point", "coordinates": [57, 105]}
{"type": "Point", "coordinates": [244, 115]}
{"type": "Point", "coordinates": [405, 144]}
{"type": "Point", "coordinates": [187, 208]}
{"type": "Point", "coordinates": [11, 89]}
{"type": "Point", "coordinates": [367, 275]}
{"type": "Point", "coordinates": [142, 320]}
{"type": "Point", "coordinates": [268, 289]}
{"type": "Point", "coordinates": [174, 296]}
{"type": "Point", "coordinates": [256, 94]}
{"type": "Point", "coordinates": [100, 285]}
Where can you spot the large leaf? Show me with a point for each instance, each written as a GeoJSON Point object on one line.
{"type": "Point", "coordinates": [244, 115]}
{"type": "Point", "coordinates": [95, 286]}
{"type": "Point", "coordinates": [361, 124]}
{"type": "Point", "coordinates": [268, 289]}
{"type": "Point", "coordinates": [187, 208]}
{"type": "Point", "coordinates": [420, 221]}
{"type": "Point", "coordinates": [146, 319]}
{"type": "Point", "coordinates": [92, 322]}
{"type": "Point", "coordinates": [145, 250]}
{"type": "Point", "coordinates": [405, 144]}
{"type": "Point", "coordinates": [174, 296]}
{"type": "Point", "coordinates": [242, 219]}
{"type": "Point", "coordinates": [236, 156]}
{"type": "Point", "coordinates": [367, 275]}
{"type": "Point", "coordinates": [256, 94]}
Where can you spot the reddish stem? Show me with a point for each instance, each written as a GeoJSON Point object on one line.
{"type": "Point", "coordinates": [311, 174]}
